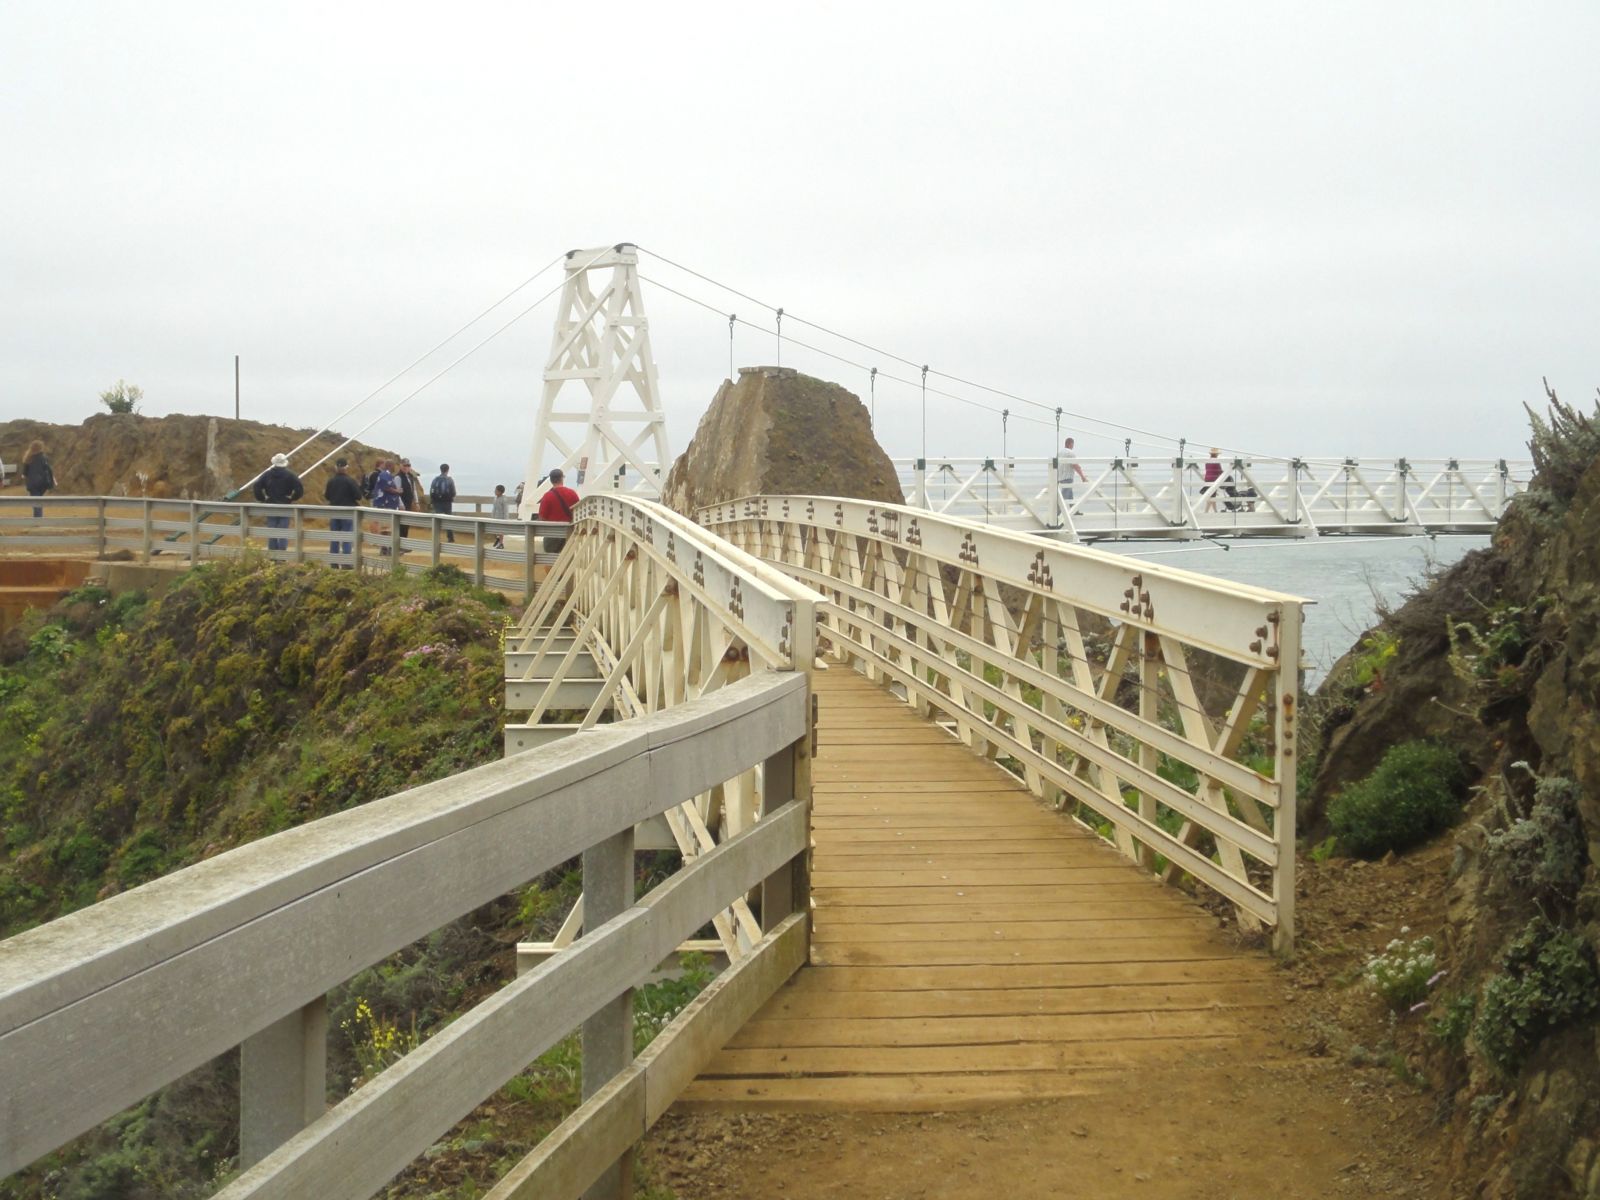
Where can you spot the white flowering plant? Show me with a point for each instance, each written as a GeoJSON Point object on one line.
{"type": "Point", "coordinates": [1404, 972]}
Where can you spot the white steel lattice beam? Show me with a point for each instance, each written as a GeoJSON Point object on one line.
{"type": "Point", "coordinates": [600, 418]}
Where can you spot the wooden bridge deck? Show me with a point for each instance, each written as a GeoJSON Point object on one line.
{"type": "Point", "coordinates": [970, 946]}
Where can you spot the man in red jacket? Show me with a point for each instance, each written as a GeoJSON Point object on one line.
{"type": "Point", "coordinates": [557, 505]}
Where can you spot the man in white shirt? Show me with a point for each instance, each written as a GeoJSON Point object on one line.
{"type": "Point", "coordinates": [1069, 467]}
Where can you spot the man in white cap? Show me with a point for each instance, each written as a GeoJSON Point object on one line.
{"type": "Point", "coordinates": [278, 485]}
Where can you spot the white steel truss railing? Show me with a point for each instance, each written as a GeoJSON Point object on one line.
{"type": "Point", "coordinates": [644, 611]}
{"type": "Point", "coordinates": [1155, 705]}
{"type": "Point", "coordinates": [102, 1007]}
{"type": "Point", "coordinates": [1129, 498]}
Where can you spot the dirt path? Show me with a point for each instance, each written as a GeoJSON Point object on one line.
{"type": "Point", "coordinates": [1297, 1132]}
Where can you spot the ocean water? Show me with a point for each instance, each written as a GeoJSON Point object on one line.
{"type": "Point", "coordinates": [1346, 578]}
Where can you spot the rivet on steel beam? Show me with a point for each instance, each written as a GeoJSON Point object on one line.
{"type": "Point", "coordinates": [1261, 631]}
{"type": "Point", "coordinates": [1255, 647]}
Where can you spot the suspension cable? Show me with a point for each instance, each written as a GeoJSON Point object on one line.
{"type": "Point", "coordinates": [1159, 440]}
{"type": "Point", "coordinates": [880, 374]}
{"type": "Point", "coordinates": [411, 366]}
{"type": "Point", "coordinates": [439, 375]}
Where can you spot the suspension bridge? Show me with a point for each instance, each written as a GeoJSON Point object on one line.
{"type": "Point", "coordinates": [973, 815]}
{"type": "Point", "coordinates": [601, 420]}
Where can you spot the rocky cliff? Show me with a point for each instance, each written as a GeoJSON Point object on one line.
{"type": "Point", "coordinates": [777, 432]}
{"type": "Point", "coordinates": [179, 455]}
{"type": "Point", "coordinates": [1499, 660]}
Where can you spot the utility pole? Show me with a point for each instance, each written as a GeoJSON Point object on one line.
{"type": "Point", "coordinates": [235, 387]}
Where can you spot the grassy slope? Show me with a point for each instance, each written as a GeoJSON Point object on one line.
{"type": "Point", "coordinates": [137, 737]}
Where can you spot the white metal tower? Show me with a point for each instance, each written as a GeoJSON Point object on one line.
{"type": "Point", "coordinates": [610, 434]}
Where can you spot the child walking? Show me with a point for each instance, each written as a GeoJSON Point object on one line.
{"type": "Point", "coordinates": [500, 512]}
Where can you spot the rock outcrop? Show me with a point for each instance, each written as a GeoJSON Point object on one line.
{"type": "Point", "coordinates": [777, 432]}
{"type": "Point", "coordinates": [1499, 658]}
{"type": "Point", "coordinates": [113, 454]}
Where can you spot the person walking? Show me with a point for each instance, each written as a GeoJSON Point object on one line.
{"type": "Point", "coordinates": [1068, 468]}
{"type": "Point", "coordinates": [37, 476]}
{"type": "Point", "coordinates": [442, 495]}
{"type": "Point", "coordinates": [278, 485]}
{"type": "Point", "coordinates": [386, 494]}
{"type": "Point", "coordinates": [409, 491]}
{"type": "Point", "coordinates": [1212, 474]}
{"type": "Point", "coordinates": [501, 511]}
{"type": "Point", "coordinates": [342, 492]}
{"type": "Point", "coordinates": [557, 505]}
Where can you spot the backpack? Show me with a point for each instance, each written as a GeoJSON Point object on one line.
{"type": "Point", "coordinates": [442, 488]}
{"type": "Point", "coordinates": [368, 484]}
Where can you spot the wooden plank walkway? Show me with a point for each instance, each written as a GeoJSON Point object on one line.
{"type": "Point", "coordinates": [970, 946]}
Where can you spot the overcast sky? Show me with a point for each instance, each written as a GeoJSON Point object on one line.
{"type": "Point", "coordinates": [1300, 229]}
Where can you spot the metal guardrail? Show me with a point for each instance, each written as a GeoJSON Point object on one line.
{"type": "Point", "coordinates": [1137, 499]}
{"type": "Point", "coordinates": [102, 1007]}
{"type": "Point", "coordinates": [506, 555]}
{"type": "Point", "coordinates": [1156, 705]}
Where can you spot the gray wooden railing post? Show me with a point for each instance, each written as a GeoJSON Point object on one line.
{"type": "Point", "coordinates": [282, 1081]}
{"type": "Point", "coordinates": [529, 582]}
{"type": "Point", "coordinates": [297, 519]}
{"type": "Point", "coordinates": [396, 550]}
{"type": "Point", "coordinates": [357, 532]}
{"type": "Point", "coordinates": [144, 531]}
{"type": "Point", "coordinates": [787, 889]}
{"type": "Point", "coordinates": [433, 539]}
{"type": "Point", "coordinates": [194, 532]}
{"type": "Point", "coordinates": [477, 553]}
{"type": "Point", "coordinates": [608, 1035]}
{"type": "Point", "coordinates": [100, 527]}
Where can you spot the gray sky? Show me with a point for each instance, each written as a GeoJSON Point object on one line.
{"type": "Point", "coordinates": [1310, 229]}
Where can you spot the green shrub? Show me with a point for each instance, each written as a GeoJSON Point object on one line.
{"type": "Point", "coordinates": [80, 856]}
{"type": "Point", "coordinates": [1378, 649]}
{"type": "Point", "coordinates": [1547, 979]}
{"type": "Point", "coordinates": [144, 857]}
{"type": "Point", "coordinates": [1411, 795]}
{"type": "Point", "coordinates": [52, 642]}
{"type": "Point", "coordinates": [1454, 1021]}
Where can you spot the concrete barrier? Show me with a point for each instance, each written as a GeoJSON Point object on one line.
{"type": "Point", "coordinates": [35, 583]}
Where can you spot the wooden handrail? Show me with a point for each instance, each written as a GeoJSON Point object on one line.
{"type": "Point", "coordinates": [103, 1006]}
{"type": "Point", "coordinates": [360, 1144]}
{"type": "Point", "coordinates": [202, 529]}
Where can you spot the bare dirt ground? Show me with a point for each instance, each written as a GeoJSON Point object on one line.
{"type": "Point", "coordinates": [1328, 1104]}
